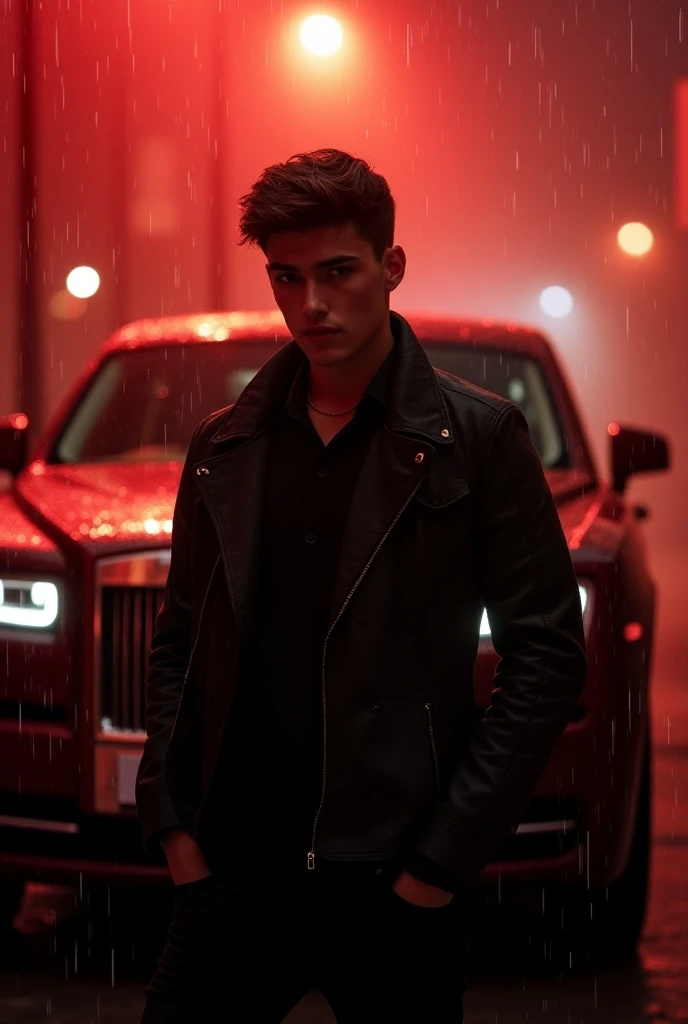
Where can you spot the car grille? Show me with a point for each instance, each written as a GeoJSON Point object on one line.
{"type": "Point", "coordinates": [128, 620]}
{"type": "Point", "coordinates": [129, 592]}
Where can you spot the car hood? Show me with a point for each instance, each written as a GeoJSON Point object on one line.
{"type": "Point", "coordinates": [117, 503]}
{"type": "Point", "coordinates": [104, 504]}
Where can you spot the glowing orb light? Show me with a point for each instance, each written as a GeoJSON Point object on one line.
{"type": "Point", "coordinates": [321, 35]}
{"type": "Point", "coordinates": [83, 282]}
{"type": "Point", "coordinates": [556, 301]}
{"type": "Point", "coordinates": [635, 239]}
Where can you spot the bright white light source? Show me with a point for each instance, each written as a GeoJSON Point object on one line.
{"type": "Point", "coordinates": [556, 301]}
{"type": "Point", "coordinates": [635, 239]}
{"type": "Point", "coordinates": [321, 35]}
{"type": "Point", "coordinates": [485, 625]}
{"type": "Point", "coordinates": [83, 282]}
{"type": "Point", "coordinates": [37, 613]}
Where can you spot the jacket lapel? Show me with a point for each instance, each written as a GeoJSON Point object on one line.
{"type": "Point", "coordinates": [232, 486]}
{"type": "Point", "coordinates": [392, 470]}
{"type": "Point", "coordinates": [416, 424]}
{"type": "Point", "coordinates": [232, 483]}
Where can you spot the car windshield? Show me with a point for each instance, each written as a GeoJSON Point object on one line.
{"type": "Point", "coordinates": [144, 404]}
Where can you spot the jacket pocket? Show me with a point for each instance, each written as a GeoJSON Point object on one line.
{"type": "Point", "coordinates": [430, 729]}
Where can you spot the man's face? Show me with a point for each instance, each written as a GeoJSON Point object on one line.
{"type": "Point", "coordinates": [329, 277]}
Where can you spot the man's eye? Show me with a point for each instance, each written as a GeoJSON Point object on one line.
{"type": "Point", "coordinates": [290, 278]}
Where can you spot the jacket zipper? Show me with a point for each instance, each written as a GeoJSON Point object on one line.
{"type": "Point", "coordinates": [433, 747]}
{"type": "Point", "coordinates": [195, 644]}
{"type": "Point", "coordinates": [311, 852]}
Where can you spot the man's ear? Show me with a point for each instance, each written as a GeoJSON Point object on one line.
{"type": "Point", "coordinates": [395, 267]}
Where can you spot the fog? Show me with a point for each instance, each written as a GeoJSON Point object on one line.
{"type": "Point", "coordinates": [517, 139]}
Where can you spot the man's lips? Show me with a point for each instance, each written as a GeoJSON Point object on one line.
{"type": "Point", "coordinates": [320, 336]}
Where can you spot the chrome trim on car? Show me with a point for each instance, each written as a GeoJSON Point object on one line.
{"type": "Point", "coordinates": [38, 824]}
{"type": "Point", "coordinates": [137, 569]}
{"type": "Point", "coordinates": [530, 827]}
{"type": "Point", "coordinates": [142, 569]}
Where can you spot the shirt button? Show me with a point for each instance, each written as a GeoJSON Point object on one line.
{"type": "Point", "coordinates": [321, 471]}
{"type": "Point", "coordinates": [310, 538]}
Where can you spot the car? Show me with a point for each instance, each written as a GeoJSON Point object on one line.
{"type": "Point", "coordinates": [84, 554]}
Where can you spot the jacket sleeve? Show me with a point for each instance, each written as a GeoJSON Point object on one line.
{"type": "Point", "coordinates": [170, 650]}
{"type": "Point", "coordinates": [531, 595]}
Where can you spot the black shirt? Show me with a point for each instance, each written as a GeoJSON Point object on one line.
{"type": "Point", "coordinates": [274, 755]}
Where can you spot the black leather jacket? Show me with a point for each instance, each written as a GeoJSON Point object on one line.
{"type": "Point", "coordinates": [451, 513]}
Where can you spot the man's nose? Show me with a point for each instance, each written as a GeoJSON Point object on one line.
{"type": "Point", "coordinates": [313, 303]}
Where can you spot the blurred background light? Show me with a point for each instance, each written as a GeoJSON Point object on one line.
{"type": "Point", "coordinates": [635, 239]}
{"type": "Point", "coordinates": [62, 305]}
{"type": "Point", "coordinates": [83, 282]}
{"type": "Point", "coordinates": [321, 35]}
{"type": "Point", "coordinates": [556, 301]}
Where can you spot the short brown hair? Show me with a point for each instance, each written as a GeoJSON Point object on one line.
{"type": "Point", "coordinates": [320, 189]}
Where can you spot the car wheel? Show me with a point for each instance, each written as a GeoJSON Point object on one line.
{"type": "Point", "coordinates": [620, 908]}
{"type": "Point", "coordinates": [606, 924]}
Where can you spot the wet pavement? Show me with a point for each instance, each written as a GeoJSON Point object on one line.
{"type": "Point", "coordinates": [508, 988]}
{"type": "Point", "coordinates": [510, 984]}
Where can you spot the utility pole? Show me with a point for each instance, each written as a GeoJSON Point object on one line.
{"type": "Point", "coordinates": [29, 370]}
{"type": "Point", "coordinates": [218, 165]}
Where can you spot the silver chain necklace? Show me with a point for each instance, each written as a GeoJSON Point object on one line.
{"type": "Point", "coordinates": [324, 413]}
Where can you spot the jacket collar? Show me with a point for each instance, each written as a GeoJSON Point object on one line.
{"type": "Point", "coordinates": [415, 405]}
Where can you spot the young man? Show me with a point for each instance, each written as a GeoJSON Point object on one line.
{"type": "Point", "coordinates": [313, 767]}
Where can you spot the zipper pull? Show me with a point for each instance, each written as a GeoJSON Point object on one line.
{"type": "Point", "coordinates": [311, 861]}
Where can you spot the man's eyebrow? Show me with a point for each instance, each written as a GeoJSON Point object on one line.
{"type": "Point", "coordinates": [316, 266]}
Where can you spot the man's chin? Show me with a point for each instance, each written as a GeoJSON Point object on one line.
{"type": "Point", "coordinates": [326, 355]}
{"type": "Point", "coordinates": [327, 358]}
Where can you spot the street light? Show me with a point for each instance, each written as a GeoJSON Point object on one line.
{"type": "Point", "coordinates": [556, 301]}
{"type": "Point", "coordinates": [321, 35]}
{"type": "Point", "coordinates": [83, 282]}
{"type": "Point", "coordinates": [635, 239]}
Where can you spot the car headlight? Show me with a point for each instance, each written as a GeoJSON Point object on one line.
{"type": "Point", "coordinates": [31, 604]}
{"type": "Point", "coordinates": [485, 625]}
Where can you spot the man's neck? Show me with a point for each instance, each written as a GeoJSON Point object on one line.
{"type": "Point", "coordinates": [342, 386]}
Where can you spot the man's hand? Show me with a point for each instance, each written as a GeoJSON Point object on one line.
{"type": "Point", "coordinates": [413, 890]}
{"type": "Point", "coordinates": [184, 857]}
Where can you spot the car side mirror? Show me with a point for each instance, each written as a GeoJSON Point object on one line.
{"type": "Point", "coordinates": [14, 442]}
{"type": "Point", "coordinates": [636, 451]}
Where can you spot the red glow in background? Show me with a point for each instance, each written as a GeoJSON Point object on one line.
{"type": "Point", "coordinates": [517, 139]}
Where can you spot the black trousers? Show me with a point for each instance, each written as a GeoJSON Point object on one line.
{"type": "Point", "coordinates": [247, 951]}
